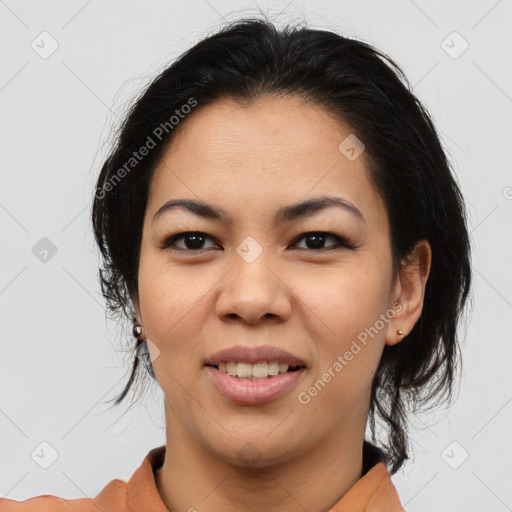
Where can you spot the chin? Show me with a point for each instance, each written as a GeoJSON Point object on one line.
{"type": "Point", "coordinates": [257, 451]}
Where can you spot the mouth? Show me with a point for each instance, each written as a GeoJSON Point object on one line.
{"type": "Point", "coordinates": [263, 370]}
{"type": "Point", "coordinates": [250, 390]}
{"type": "Point", "coordinates": [255, 374]}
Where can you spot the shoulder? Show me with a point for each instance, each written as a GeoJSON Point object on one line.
{"type": "Point", "coordinates": [112, 498]}
{"type": "Point", "coordinates": [117, 496]}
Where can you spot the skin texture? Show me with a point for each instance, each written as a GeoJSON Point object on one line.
{"type": "Point", "coordinates": [250, 161]}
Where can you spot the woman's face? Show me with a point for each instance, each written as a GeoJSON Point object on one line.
{"type": "Point", "coordinates": [250, 283]}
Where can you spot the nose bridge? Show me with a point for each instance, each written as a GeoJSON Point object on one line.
{"type": "Point", "coordinates": [253, 289]}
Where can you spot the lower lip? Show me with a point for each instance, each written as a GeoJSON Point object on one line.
{"type": "Point", "coordinates": [249, 392]}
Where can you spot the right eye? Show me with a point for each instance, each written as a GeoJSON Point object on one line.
{"type": "Point", "coordinates": [193, 240]}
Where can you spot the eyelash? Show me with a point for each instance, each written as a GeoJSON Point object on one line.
{"type": "Point", "coordinates": [341, 243]}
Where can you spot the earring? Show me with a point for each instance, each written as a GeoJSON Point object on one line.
{"type": "Point", "coordinates": [137, 331]}
{"type": "Point", "coordinates": [143, 352]}
{"type": "Point", "coordinates": [400, 333]}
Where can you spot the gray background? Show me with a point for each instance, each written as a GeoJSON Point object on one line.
{"type": "Point", "coordinates": [60, 360]}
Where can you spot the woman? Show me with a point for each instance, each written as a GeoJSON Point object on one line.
{"type": "Point", "coordinates": [280, 220]}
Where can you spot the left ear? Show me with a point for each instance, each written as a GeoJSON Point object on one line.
{"type": "Point", "coordinates": [410, 291]}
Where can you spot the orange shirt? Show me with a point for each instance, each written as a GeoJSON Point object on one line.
{"type": "Point", "coordinates": [374, 492]}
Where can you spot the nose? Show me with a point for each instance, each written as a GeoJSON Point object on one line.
{"type": "Point", "coordinates": [253, 293]}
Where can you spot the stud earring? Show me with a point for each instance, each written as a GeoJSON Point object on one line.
{"type": "Point", "coordinates": [137, 331]}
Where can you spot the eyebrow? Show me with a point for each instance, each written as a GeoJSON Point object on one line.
{"type": "Point", "coordinates": [284, 214]}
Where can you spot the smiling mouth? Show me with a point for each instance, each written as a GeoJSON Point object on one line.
{"type": "Point", "coordinates": [258, 371]}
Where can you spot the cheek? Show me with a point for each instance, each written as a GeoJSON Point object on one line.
{"type": "Point", "coordinates": [341, 318]}
{"type": "Point", "coordinates": [345, 301]}
{"type": "Point", "coordinates": [344, 321]}
{"type": "Point", "coordinates": [173, 308]}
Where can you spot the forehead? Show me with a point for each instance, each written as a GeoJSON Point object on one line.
{"type": "Point", "coordinates": [273, 150]}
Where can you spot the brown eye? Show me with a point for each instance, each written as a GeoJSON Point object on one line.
{"type": "Point", "coordinates": [193, 241]}
{"type": "Point", "coordinates": [315, 241]}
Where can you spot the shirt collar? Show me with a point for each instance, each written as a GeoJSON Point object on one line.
{"type": "Point", "coordinates": [374, 492]}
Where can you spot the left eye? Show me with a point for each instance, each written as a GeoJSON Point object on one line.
{"type": "Point", "coordinates": [317, 238]}
{"type": "Point", "coordinates": [194, 241]}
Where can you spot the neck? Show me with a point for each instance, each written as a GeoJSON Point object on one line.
{"type": "Point", "coordinates": [192, 478]}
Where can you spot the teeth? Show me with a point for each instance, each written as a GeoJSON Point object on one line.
{"type": "Point", "coordinates": [273, 368]}
{"type": "Point", "coordinates": [253, 371]}
{"type": "Point", "coordinates": [244, 370]}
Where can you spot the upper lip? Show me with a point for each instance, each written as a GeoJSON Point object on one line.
{"type": "Point", "coordinates": [254, 354]}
